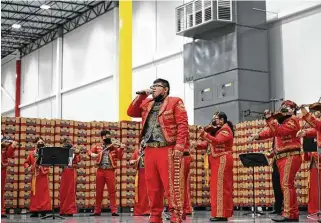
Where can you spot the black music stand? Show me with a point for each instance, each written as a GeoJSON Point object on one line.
{"type": "Point", "coordinates": [309, 145]}
{"type": "Point", "coordinates": [54, 156]}
{"type": "Point", "coordinates": [253, 160]}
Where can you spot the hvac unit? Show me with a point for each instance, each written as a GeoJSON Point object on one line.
{"type": "Point", "coordinates": [201, 16]}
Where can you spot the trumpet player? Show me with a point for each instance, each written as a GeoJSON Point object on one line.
{"type": "Point", "coordinates": [8, 147]}
{"type": "Point", "coordinates": [313, 132]}
{"type": "Point", "coordinates": [40, 201]}
{"type": "Point", "coordinates": [68, 182]}
{"type": "Point", "coordinates": [106, 153]}
{"type": "Point", "coordinates": [218, 137]}
{"type": "Point", "coordinates": [284, 126]}
{"type": "Point", "coordinates": [141, 206]}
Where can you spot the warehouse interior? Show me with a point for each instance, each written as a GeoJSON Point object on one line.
{"type": "Point", "coordinates": [72, 68]}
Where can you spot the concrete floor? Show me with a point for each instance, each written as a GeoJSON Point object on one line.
{"type": "Point", "coordinates": [198, 216]}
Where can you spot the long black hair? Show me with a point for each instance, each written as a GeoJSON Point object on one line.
{"type": "Point", "coordinates": [222, 115]}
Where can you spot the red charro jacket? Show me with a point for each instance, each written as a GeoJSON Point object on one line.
{"type": "Point", "coordinates": [115, 153]}
{"type": "Point", "coordinates": [220, 144]}
{"type": "Point", "coordinates": [172, 118]}
{"type": "Point", "coordinates": [285, 133]}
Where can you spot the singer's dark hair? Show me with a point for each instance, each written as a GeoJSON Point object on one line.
{"type": "Point", "coordinates": [164, 82]}
{"type": "Point", "coordinates": [104, 132]}
{"type": "Point", "coordinates": [223, 116]}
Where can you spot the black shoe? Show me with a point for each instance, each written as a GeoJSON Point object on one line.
{"type": "Point", "coordinates": [275, 212]}
{"type": "Point", "coordinates": [218, 219]}
{"type": "Point", "coordinates": [188, 214]}
{"type": "Point", "coordinates": [146, 214]}
{"type": "Point", "coordinates": [43, 214]}
{"type": "Point", "coordinates": [95, 214]}
{"type": "Point", "coordinates": [4, 216]}
{"type": "Point", "coordinates": [66, 215]}
{"type": "Point", "coordinates": [283, 219]}
{"type": "Point", "coordinates": [34, 215]}
{"type": "Point", "coordinates": [114, 214]}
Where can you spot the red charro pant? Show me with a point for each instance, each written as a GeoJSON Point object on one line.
{"type": "Point", "coordinates": [288, 167]}
{"type": "Point", "coordinates": [187, 199]}
{"type": "Point", "coordinates": [141, 207]}
{"type": "Point", "coordinates": [105, 176]}
{"type": "Point", "coordinates": [221, 186]}
{"type": "Point", "coordinates": [159, 178]}
{"type": "Point", "coordinates": [41, 201]}
{"type": "Point", "coordinates": [68, 191]}
{"type": "Point", "coordinates": [313, 206]}
{"type": "Point", "coordinates": [3, 184]}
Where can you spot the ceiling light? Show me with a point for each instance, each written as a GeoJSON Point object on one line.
{"type": "Point", "coordinates": [45, 7]}
{"type": "Point", "coordinates": [16, 26]}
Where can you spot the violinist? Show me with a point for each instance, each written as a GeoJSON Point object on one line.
{"type": "Point", "coordinates": [40, 201]}
{"type": "Point", "coordinates": [315, 167]}
{"type": "Point", "coordinates": [8, 147]}
{"type": "Point", "coordinates": [106, 153]}
{"type": "Point", "coordinates": [284, 126]}
{"type": "Point", "coordinates": [218, 140]}
{"type": "Point", "coordinates": [68, 181]}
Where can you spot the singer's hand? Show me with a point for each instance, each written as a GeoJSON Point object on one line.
{"type": "Point", "coordinates": [15, 144]}
{"type": "Point", "coordinates": [194, 144]}
{"type": "Point", "coordinates": [301, 134]}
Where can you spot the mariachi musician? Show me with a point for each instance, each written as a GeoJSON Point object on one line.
{"type": "Point", "coordinates": [8, 147]}
{"type": "Point", "coordinates": [284, 125]}
{"type": "Point", "coordinates": [68, 181]}
{"type": "Point", "coordinates": [218, 138]}
{"type": "Point", "coordinates": [106, 154]}
{"type": "Point", "coordinates": [141, 206]}
{"type": "Point", "coordinates": [40, 201]}
{"type": "Point", "coordinates": [313, 132]}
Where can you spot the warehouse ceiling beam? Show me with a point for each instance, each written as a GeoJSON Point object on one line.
{"type": "Point", "coordinates": [43, 24]}
{"type": "Point", "coordinates": [90, 14]}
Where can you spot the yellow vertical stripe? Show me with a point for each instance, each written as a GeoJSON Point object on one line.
{"type": "Point", "coordinates": [125, 57]}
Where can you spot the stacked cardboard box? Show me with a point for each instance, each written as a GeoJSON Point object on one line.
{"type": "Point", "coordinates": [130, 138]}
{"type": "Point", "coordinates": [29, 130]}
{"type": "Point", "coordinates": [193, 182]}
{"type": "Point", "coordinates": [11, 127]}
{"type": "Point", "coordinates": [95, 128]}
{"type": "Point", "coordinates": [82, 142]}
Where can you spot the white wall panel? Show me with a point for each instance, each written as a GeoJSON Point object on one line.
{"type": "Point", "coordinates": [144, 23]}
{"type": "Point", "coordinates": [189, 101]}
{"type": "Point", "coordinates": [93, 102]}
{"type": "Point", "coordinates": [8, 83]}
{"type": "Point", "coordinates": [29, 77]}
{"type": "Point", "coordinates": [286, 7]}
{"type": "Point", "coordinates": [46, 109]}
{"type": "Point", "coordinates": [89, 52]}
{"type": "Point", "coordinates": [167, 40]}
{"type": "Point", "coordinates": [299, 56]}
{"type": "Point", "coordinates": [46, 65]}
{"type": "Point", "coordinates": [172, 70]}
{"type": "Point", "coordinates": [143, 78]}
{"type": "Point", "coordinates": [29, 111]}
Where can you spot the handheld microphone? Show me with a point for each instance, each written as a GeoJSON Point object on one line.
{"type": "Point", "coordinates": [141, 92]}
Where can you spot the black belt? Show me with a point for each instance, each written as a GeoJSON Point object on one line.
{"type": "Point", "coordinates": [283, 154]}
